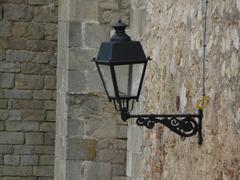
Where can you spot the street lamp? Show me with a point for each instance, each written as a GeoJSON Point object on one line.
{"type": "Point", "coordinates": [121, 64]}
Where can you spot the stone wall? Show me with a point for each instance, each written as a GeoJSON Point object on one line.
{"type": "Point", "coordinates": [28, 41]}
{"type": "Point", "coordinates": [173, 34]}
{"type": "Point", "coordinates": [90, 137]}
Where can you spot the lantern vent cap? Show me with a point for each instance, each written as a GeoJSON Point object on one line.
{"type": "Point", "coordinates": [120, 34]}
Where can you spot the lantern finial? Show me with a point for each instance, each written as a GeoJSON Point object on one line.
{"type": "Point", "coordinates": [120, 34]}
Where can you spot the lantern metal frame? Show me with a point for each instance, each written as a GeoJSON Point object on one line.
{"type": "Point", "coordinates": [122, 51]}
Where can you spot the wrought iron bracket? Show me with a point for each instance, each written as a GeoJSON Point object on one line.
{"type": "Point", "coordinates": [185, 125]}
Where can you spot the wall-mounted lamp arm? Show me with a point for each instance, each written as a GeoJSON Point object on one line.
{"type": "Point", "coordinates": [185, 125]}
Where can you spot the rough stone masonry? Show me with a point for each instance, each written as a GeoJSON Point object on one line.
{"type": "Point", "coordinates": [28, 44]}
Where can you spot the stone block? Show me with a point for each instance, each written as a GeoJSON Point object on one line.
{"type": "Point", "coordinates": [113, 155]}
{"type": "Point", "coordinates": [22, 126]}
{"type": "Point", "coordinates": [34, 115]}
{"type": "Point", "coordinates": [50, 32]}
{"type": "Point", "coordinates": [27, 160]}
{"type": "Point", "coordinates": [2, 54]}
{"type": "Point", "coordinates": [3, 104]}
{"type": "Point", "coordinates": [75, 128]}
{"type": "Point", "coordinates": [63, 35]}
{"type": "Point", "coordinates": [41, 45]}
{"type": "Point", "coordinates": [34, 138]}
{"type": "Point", "coordinates": [83, 104]}
{"type": "Point", "coordinates": [77, 81]}
{"type": "Point", "coordinates": [50, 105]}
{"type": "Point", "coordinates": [16, 43]}
{"type": "Point", "coordinates": [28, 104]}
{"type": "Point", "coordinates": [122, 132]}
{"type": "Point", "coordinates": [47, 126]}
{"type": "Point", "coordinates": [19, 55]}
{"type": "Point", "coordinates": [29, 82]}
{"type": "Point", "coordinates": [97, 170]}
{"type": "Point", "coordinates": [6, 80]}
{"type": "Point", "coordinates": [49, 138]}
{"type": "Point", "coordinates": [94, 39]}
{"type": "Point", "coordinates": [5, 30]}
{"type": "Point", "coordinates": [121, 144]}
{"type": "Point", "coordinates": [3, 115]}
{"type": "Point", "coordinates": [51, 116]}
{"type": "Point", "coordinates": [34, 68]}
{"type": "Point", "coordinates": [46, 150]}
{"type": "Point", "coordinates": [84, 10]}
{"type": "Point", "coordinates": [43, 171]}
{"type": "Point", "coordinates": [14, 115]}
{"type": "Point", "coordinates": [9, 67]}
{"type": "Point", "coordinates": [135, 144]}
{"type": "Point", "coordinates": [109, 5]}
{"type": "Point", "coordinates": [81, 149]}
{"type": "Point", "coordinates": [1, 125]}
{"type": "Point", "coordinates": [45, 14]}
{"type": "Point", "coordinates": [18, 94]}
{"type": "Point", "coordinates": [17, 12]}
{"type": "Point", "coordinates": [23, 149]}
{"type": "Point", "coordinates": [19, 29]}
{"type": "Point", "coordinates": [50, 82]}
{"type": "Point", "coordinates": [11, 159]}
{"type": "Point", "coordinates": [11, 138]}
{"type": "Point", "coordinates": [75, 34]}
{"type": "Point", "coordinates": [35, 31]}
{"type": "Point", "coordinates": [79, 59]}
{"type": "Point", "coordinates": [47, 159]}
{"type": "Point", "coordinates": [118, 170]}
{"type": "Point", "coordinates": [119, 178]}
{"type": "Point", "coordinates": [16, 170]}
{"type": "Point", "coordinates": [6, 149]}
{"type": "Point", "coordinates": [40, 2]}
{"type": "Point", "coordinates": [74, 169]}
{"type": "Point", "coordinates": [42, 57]}
{"type": "Point", "coordinates": [42, 94]}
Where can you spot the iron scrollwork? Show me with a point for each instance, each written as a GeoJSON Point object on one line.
{"type": "Point", "coordinates": [185, 125]}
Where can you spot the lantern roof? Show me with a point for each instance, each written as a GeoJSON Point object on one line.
{"type": "Point", "coordinates": [121, 49]}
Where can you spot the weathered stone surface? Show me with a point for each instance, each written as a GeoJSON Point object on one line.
{"type": "Point", "coordinates": [46, 14]}
{"type": "Point", "coordinates": [97, 170]}
{"type": "Point", "coordinates": [75, 34]}
{"type": "Point", "coordinates": [49, 138]}
{"type": "Point", "coordinates": [50, 31]}
{"type": "Point", "coordinates": [81, 149]}
{"type": "Point", "coordinates": [17, 12]}
{"type": "Point", "coordinates": [29, 82]}
{"type": "Point", "coordinates": [83, 10]}
{"type": "Point", "coordinates": [23, 149]}
{"type": "Point", "coordinates": [2, 54]}
{"type": "Point", "coordinates": [77, 80]}
{"type": "Point", "coordinates": [74, 168]}
{"type": "Point", "coordinates": [42, 94]}
{"type": "Point", "coordinates": [47, 150]}
{"type": "Point", "coordinates": [27, 160]}
{"type": "Point", "coordinates": [11, 138]}
{"type": "Point", "coordinates": [33, 68]}
{"type": "Point", "coordinates": [34, 115]}
{"type": "Point", "coordinates": [51, 116]}
{"type": "Point", "coordinates": [5, 29]}
{"type": "Point", "coordinates": [11, 159]}
{"type": "Point", "coordinates": [34, 138]}
{"type": "Point", "coordinates": [3, 103]}
{"type": "Point", "coordinates": [28, 104]}
{"type": "Point", "coordinates": [115, 156]}
{"type": "Point", "coordinates": [118, 170]}
{"type": "Point", "coordinates": [21, 126]}
{"type": "Point", "coordinates": [19, 29]}
{"type": "Point", "coordinates": [102, 35]}
{"type": "Point", "coordinates": [18, 94]}
{"type": "Point", "coordinates": [50, 82]}
{"type": "Point", "coordinates": [47, 126]}
{"type": "Point", "coordinates": [16, 170]}
{"type": "Point", "coordinates": [40, 2]}
{"type": "Point", "coordinates": [43, 171]}
{"type": "Point", "coordinates": [9, 67]}
{"type": "Point", "coordinates": [41, 45]}
{"type": "Point", "coordinates": [47, 159]}
{"type": "Point", "coordinates": [14, 115]}
{"type": "Point", "coordinates": [50, 105]}
{"type": "Point", "coordinates": [6, 149]}
{"type": "Point", "coordinates": [6, 80]}
{"type": "Point", "coordinates": [19, 55]}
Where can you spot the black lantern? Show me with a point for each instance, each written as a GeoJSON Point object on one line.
{"type": "Point", "coordinates": [121, 64]}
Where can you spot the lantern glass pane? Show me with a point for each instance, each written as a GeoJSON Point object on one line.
{"type": "Point", "coordinates": [128, 79]}
{"type": "Point", "coordinates": [107, 79]}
